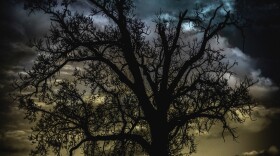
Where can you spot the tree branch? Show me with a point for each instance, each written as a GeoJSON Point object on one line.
{"type": "Point", "coordinates": [77, 146]}
{"type": "Point", "coordinates": [201, 51]}
{"type": "Point", "coordinates": [181, 120]}
{"type": "Point", "coordinates": [132, 137]}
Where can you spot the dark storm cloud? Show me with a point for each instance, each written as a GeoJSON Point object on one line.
{"type": "Point", "coordinates": [263, 43]}
{"type": "Point", "coordinates": [247, 65]}
{"type": "Point", "coordinates": [12, 52]}
{"type": "Point", "coordinates": [262, 38]}
{"type": "Point", "coordinates": [15, 143]}
{"type": "Point", "coordinates": [16, 28]}
{"type": "Point", "coordinates": [10, 55]}
{"type": "Point", "coordinates": [147, 8]}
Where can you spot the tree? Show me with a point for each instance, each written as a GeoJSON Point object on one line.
{"type": "Point", "coordinates": [130, 94]}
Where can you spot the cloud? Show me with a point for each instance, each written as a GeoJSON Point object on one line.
{"type": "Point", "coordinates": [252, 153]}
{"type": "Point", "coordinates": [15, 143]}
{"type": "Point", "coordinates": [16, 29]}
{"type": "Point", "coordinates": [146, 8]}
{"type": "Point", "coordinates": [264, 86]}
{"type": "Point", "coordinates": [246, 66]}
{"type": "Point", "coordinates": [271, 151]}
{"type": "Point", "coordinates": [261, 118]}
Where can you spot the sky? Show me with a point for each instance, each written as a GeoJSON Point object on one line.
{"type": "Point", "coordinates": [259, 59]}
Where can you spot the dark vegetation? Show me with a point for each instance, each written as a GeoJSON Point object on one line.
{"type": "Point", "coordinates": [156, 93]}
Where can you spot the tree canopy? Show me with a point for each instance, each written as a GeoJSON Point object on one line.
{"type": "Point", "coordinates": [135, 89]}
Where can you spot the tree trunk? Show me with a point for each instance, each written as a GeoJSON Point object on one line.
{"type": "Point", "coordinates": [160, 142]}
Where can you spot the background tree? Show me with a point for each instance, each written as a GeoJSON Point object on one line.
{"type": "Point", "coordinates": [131, 94]}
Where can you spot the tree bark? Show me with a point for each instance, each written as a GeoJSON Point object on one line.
{"type": "Point", "coordinates": [160, 142]}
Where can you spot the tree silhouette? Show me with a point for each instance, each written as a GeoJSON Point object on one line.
{"type": "Point", "coordinates": [132, 93]}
